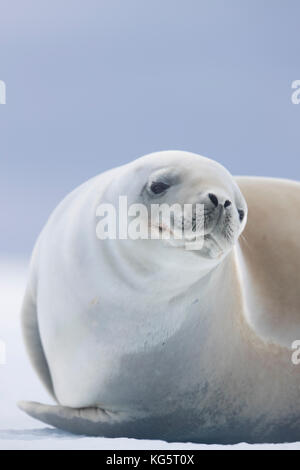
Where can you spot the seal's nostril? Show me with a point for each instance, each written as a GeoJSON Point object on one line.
{"type": "Point", "coordinates": [213, 199]}
{"type": "Point", "coordinates": [227, 203]}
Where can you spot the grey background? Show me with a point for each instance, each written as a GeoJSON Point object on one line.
{"type": "Point", "coordinates": [94, 84]}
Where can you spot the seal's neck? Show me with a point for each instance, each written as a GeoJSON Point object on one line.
{"type": "Point", "coordinates": [154, 268]}
{"type": "Point", "coordinates": [166, 289]}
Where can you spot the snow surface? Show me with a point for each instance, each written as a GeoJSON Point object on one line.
{"type": "Point", "coordinates": [19, 382]}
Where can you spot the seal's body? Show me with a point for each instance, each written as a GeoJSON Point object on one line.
{"type": "Point", "coordinates": [146, 339]}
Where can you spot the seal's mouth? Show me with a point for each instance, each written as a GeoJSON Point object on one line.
{"type": "Point", "coordinates": [161, 229]}
{"type": "Point", "coordinates": [207, 244]}
{"type": "Point", "coordinates": [213, 237]}
{"type": "Point", "coordinates": [213, 247]}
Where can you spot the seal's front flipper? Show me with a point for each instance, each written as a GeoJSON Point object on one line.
{"type": "Point", "coordinates": [87, 421]}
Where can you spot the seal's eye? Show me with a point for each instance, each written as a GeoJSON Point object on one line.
{"type": "Point", "coordinates": [241, 214]}
{"type": "Point", "coordinates": [158, 187]}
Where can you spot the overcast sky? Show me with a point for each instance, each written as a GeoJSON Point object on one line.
{"type": "Point", "coordinates": [94, 84]}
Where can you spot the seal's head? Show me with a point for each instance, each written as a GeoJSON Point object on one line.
{"type": "Point", "coordinates": [193, 202]}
